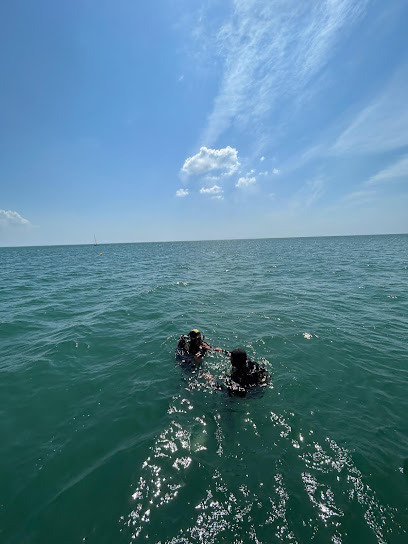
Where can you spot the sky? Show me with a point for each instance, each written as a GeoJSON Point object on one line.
{"type": "Point", "coordinates": [169, 120]}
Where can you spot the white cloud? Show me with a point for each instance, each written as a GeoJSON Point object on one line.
{"type": "Point", "coordinates": [215, 190]}
{"type": "Point", "coordinates": [245, 182]}
{"type": "Point", "coordinates": [250, 173]}
{"type": "Point", "coordinates": [9, 218]}
{"type": "Point", "coordinates": [397, 170]}
{"type": "Point", "coordinates": [269, 51]}
{"type": "Point", "coordinates": [275, 171]}
{"type": "Point", "coordinates": [265, 173]}
{"type": "Point", "coordinates": [382, 125]}
{"type": "Point", "coordinates": [262, 159]}
{"type": "Point", "coordinates": [182, 192]}
{"type": "Point", "coordinates": [208, 160]}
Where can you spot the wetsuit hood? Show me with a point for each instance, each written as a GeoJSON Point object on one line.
{"type": "Point", "coordinates": [239, 359]}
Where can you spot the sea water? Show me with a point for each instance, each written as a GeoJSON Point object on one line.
{"type": "Point", "coordinates": [104, 438]}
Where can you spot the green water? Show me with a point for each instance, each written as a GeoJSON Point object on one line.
{"type": "Point", "coordinates": [104, 438]}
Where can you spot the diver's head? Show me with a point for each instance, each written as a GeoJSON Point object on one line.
{"type": "Point", "coordinates": [238, 358]}
{"type": "Point", "coordinates": [195, 336]}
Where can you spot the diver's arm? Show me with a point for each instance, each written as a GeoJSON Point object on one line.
{"type": "Point", "coordinates": [224, 351]}
{"type": "Point", "coordinates": [207, 346]}
{"type": "Point", "coordinates": [198, 357]}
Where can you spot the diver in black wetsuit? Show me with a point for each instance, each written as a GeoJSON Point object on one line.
{"type": "Point", "coordinates": [246, 372]}
{"type": "Point", "coordinates": [244, 375]}
{"type": "Point", "coordinates": [192, 348]}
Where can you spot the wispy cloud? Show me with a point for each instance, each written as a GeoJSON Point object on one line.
{"type": "Point", "coordinates": [395, 171]}
{"type": "Point", "coordinates": [182, 192]}
{"type": "Point", "coordinates": [273, 49]}
{"type": "Point", "coordinates": [275, 172]}
{"type": "Point", "coordinates": [10, 218]}
{"type": "Point", "coordinates": [380, 126]}
{"type": "Point", "coordinates": [359, 197]}
{"type": "Point", "coordinates": [212, 179]}
{"type": "Point", "coordinates": [310, 193]}
{"type": "Point", "coordinates": [208, 160]}
{"type": "Point", "coordinates": [245, 182]}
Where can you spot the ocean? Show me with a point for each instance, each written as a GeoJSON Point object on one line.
{"type": "Point", "coordinates": [106, 439]}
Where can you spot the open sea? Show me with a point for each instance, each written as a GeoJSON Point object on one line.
{"type": "Point", "coordinates": [104, 438]}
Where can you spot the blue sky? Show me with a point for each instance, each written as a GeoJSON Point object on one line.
{"type": "Point", "coordinates": [185, 120]}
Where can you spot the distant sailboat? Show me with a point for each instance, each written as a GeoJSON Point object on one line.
{"type": "Point", "coordinates": [95, 242]}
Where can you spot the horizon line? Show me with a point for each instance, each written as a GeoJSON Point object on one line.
{"type": "Point", "coordinates": [210, 240]}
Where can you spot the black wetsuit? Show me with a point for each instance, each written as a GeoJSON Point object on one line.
{"type": "Point", "coordinates": [186, 352]}
{"type": "Point", "coordinates": [241, 380]}
{"type": "Point", "coordinates": [253, 374]}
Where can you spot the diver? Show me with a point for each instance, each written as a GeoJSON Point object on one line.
{"type": "Point", "coordinates": [191, 348]}
{"type": "Point", "coordinates": [245, 374]}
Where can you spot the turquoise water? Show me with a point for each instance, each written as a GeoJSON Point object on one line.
{"type": "Point", "coordinates": [104, 438]}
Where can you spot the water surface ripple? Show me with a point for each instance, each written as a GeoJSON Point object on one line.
{"type": "Point", "coordinates": [106, 439]}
